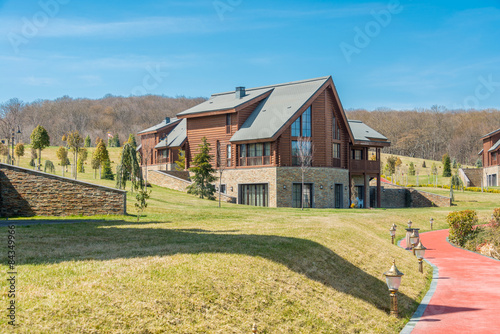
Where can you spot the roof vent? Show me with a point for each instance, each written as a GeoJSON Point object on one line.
{"type": "Point", "coordinates": [240, 92]}
{"type": "Point", "coordinates": [167, 120]}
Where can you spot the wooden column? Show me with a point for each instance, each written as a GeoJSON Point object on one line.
{"type": "Point", "coordinates": [379, 192]}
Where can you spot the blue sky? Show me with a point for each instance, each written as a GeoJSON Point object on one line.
{"type": "Point", "coordinates": [390, 54]}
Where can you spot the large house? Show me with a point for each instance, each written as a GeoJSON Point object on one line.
{"type": "Point", "coordinates": [491, 158]}
{"type": "Point", "coordinates": [256, 134]}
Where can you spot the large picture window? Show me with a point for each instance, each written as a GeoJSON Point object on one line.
{"type": "Point", "coordinates": [296, 151]}
{"type": "Point", "coordinates": [300, 194]}
{"type": "Point", "coordinates": [255, 154]}
{"type": "Point", "coordinates": [254, 194]}
{"type": "Point", "coordinates": [303, 125]}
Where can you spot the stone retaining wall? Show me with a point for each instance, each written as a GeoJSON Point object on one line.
{"type": "Point", "coordinates": [394, 196]}
{"type": "Point", "coordinates": [167, 181]}
{"type": "Point", "coordinates": [25, 192]}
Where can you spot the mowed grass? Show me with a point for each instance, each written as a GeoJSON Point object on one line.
{"type": "Point", "coordinates": [191, 267]}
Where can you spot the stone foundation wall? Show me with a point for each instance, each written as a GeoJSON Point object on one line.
{"type": "Point", "coordinates": [323, 180]}
{"type": "Point", "coordinates": [233, 177]}
{"type": "Point", "coordinates": [25, 192]}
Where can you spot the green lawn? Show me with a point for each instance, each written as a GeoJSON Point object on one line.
{"type": "Point", "coordinates": [191, 267]}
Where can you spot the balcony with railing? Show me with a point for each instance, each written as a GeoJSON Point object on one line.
{"type": "Point", "coordinates": [364, 166]}
{"type": "Point", "coordinates": [255, 161]}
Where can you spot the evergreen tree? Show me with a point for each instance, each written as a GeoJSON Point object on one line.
{"type": "Point", "coordinates": [479, 163]}
{"type": "Point", "coordinates": [423, 165]}
{"type": "Point", "coordinates": [49, 167]}
{"type": "Point", "coordinates": [39, 140]}
{"type": "Point", "coordinates": [454, 164]}
{"type": "Point", "coordinates": [82, 156]}
{"type": "Point", "coordinates": [129, 168]}
{"type": "Point", "coordinates": [101, 155]}
{"type": "Point", "coordinates": [203, 177]}
{"type": "Point", "coordinates": [107, 173]}
{"type": "Point", "coordinates": [88, 142]}
{"type": "Point", "coordinates": [181, 163]}
{"type": "Point", "coordinates": [411, 169]}
{"type": "Point", "coordinates": [131, 140]}
{"type": "Point", "coordinates": [391, 165]}
{"type": "Point", "coordinates": [446, 165]}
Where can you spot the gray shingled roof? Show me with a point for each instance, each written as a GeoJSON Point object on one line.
{"type": "Point", "coordinates": [176, 137]}
{"type": "Point", "coordinates": [275, 110]}
{"type": "Point", "coordinates": [159, 126]}
{"type": "Point", "coordinates": [495, 147]}
{"type": "Point", "coordinates": [225, 101]}
{"type": "Point", "coordinates": [362, 132]}
{"type": "Point", "coordinates": [491, 133]}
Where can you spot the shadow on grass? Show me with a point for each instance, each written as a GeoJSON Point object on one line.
{"type": "Point", "coordinates": [302, 256]}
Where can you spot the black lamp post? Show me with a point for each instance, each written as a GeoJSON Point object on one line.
{"type": "Point", "coordinates": [12, 143]}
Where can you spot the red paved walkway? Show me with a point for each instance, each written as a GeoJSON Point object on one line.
{"type": "Point", "coordinates": [467, 296]}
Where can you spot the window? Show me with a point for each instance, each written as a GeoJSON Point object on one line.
{"type": "Point", "coordinates": [302, 125]}
{"type": "Point", "coordinates": [336, 151]}
{"type": "Point", "coordinates": [223, 188]}
{"type": "Point", "coordinates": [296, 151]}
{"type": "Point", "coordinates": [300, 195]}
{"type": "Point", "coordinates": [296, 128]}
{"type": "Point", "coordinates": [339, 197]}
{"type": "Point", "coordinates": [267, 149]}
{"type": "Point", "coordinates": [306, 123]}
{"type": "Point", "coordinates": [228, 123]}
{"type": "Point", "coordinates": [218, 153]}
{"type": "Point", "coordinates": [228, 156]}
{"type": "Point", "coordinates": [254, 194]}
{"type": "Point", "coordinates": [336, 129]}
{"type": "Point", "coordinates": [357, 154]}
{"type": "Point", "coordinates": [255, 154]}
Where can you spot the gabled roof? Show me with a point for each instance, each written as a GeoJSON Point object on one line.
{"type": "Point", "coordinates": [490, 134]}
{"type": "Point", "coordinates": [363, 133]}
{"type": "Point", "coordinates": [274, 111]}
{"type": "Point", "coordinates": [157, 127]}
{"type": "Point", "coordinates": [176, 137]}
{"type": "Point", "coordinates": [225, 101]}
{"type": "Point", "coordinates": [495, 147]}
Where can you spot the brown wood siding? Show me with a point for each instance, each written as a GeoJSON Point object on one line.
{"type": "Point", "coordinates": [329, 111]}
{"type": "Point", "coordinates": [319, 131]}
{"type": "Point", "coordinates": [214, 128]}
{"type": "Point", "coordinates": [149, 140]}
{"type": "Point", "coordinates": [285, 148]}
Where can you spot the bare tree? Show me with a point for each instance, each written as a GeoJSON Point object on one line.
{"type": "Point", "coordinates": [304, 155]}
{"type": "Point", "coordinates": [221, 167]}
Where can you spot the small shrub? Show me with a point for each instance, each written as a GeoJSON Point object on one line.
{"type": "Point", "coordinates": [462, 225]}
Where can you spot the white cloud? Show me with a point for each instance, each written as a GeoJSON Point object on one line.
{"type": "Point", "coordinates": [38, 81]}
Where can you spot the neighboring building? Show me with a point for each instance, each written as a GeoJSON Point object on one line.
{"type": "Point", "coordinates": [491, 158]}
{"type": "Point", "coordinates": [160, 144]}
{"type": "Point", "coordinates": [257, 133]}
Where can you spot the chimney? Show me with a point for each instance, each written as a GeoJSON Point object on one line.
{"type": "Point", "coordinates": [167, 120]}
{"type": "Point", "coordinates": [240, 92]}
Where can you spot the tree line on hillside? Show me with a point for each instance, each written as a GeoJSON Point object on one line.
{"type": "Point", "coordinates": [96, 118]}
{"type": "Point", "coordinates": [426, 134]}
{"type": "Point", "coordinates": [429, 134]}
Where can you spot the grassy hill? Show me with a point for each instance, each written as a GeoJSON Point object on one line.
{"type": "Point", "coordinates": [191, 267]}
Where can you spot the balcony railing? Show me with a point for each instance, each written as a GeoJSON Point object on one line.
{"type": "Point", "coordinates": [255, 161]}
{"type": "Point", "coordinates": [365, 166]}
{"type": "Point", "coordinates": [161, 160]}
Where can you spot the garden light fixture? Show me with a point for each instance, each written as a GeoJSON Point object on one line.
{"type": "Point", "coordinates": [392, 230]}
{"type": "Point", "coordinates": [420, 252]}
{"type": "Point", "coordinates": [393, 279]}
{"type": "Point", "coordinates": [432, 223]}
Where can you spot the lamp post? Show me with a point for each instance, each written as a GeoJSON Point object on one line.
{"type": "Point", "coordinates": [413, 240]}
{"type": "Point", "coordinates": [420, 252]}
{"type": "Point", "coordinates": [12, 143]}
{"type": "Point", "coordinates": [432, 223]}
{"type": "Point", "coordinates": [393, 279]}
{"type": "Point", "coordinates": [392, 230]}
{"type": "Point", "coordinates": [409, 224]}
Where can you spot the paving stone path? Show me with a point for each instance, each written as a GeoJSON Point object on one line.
{"type": "Point", "coordinates": [466, 294]}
